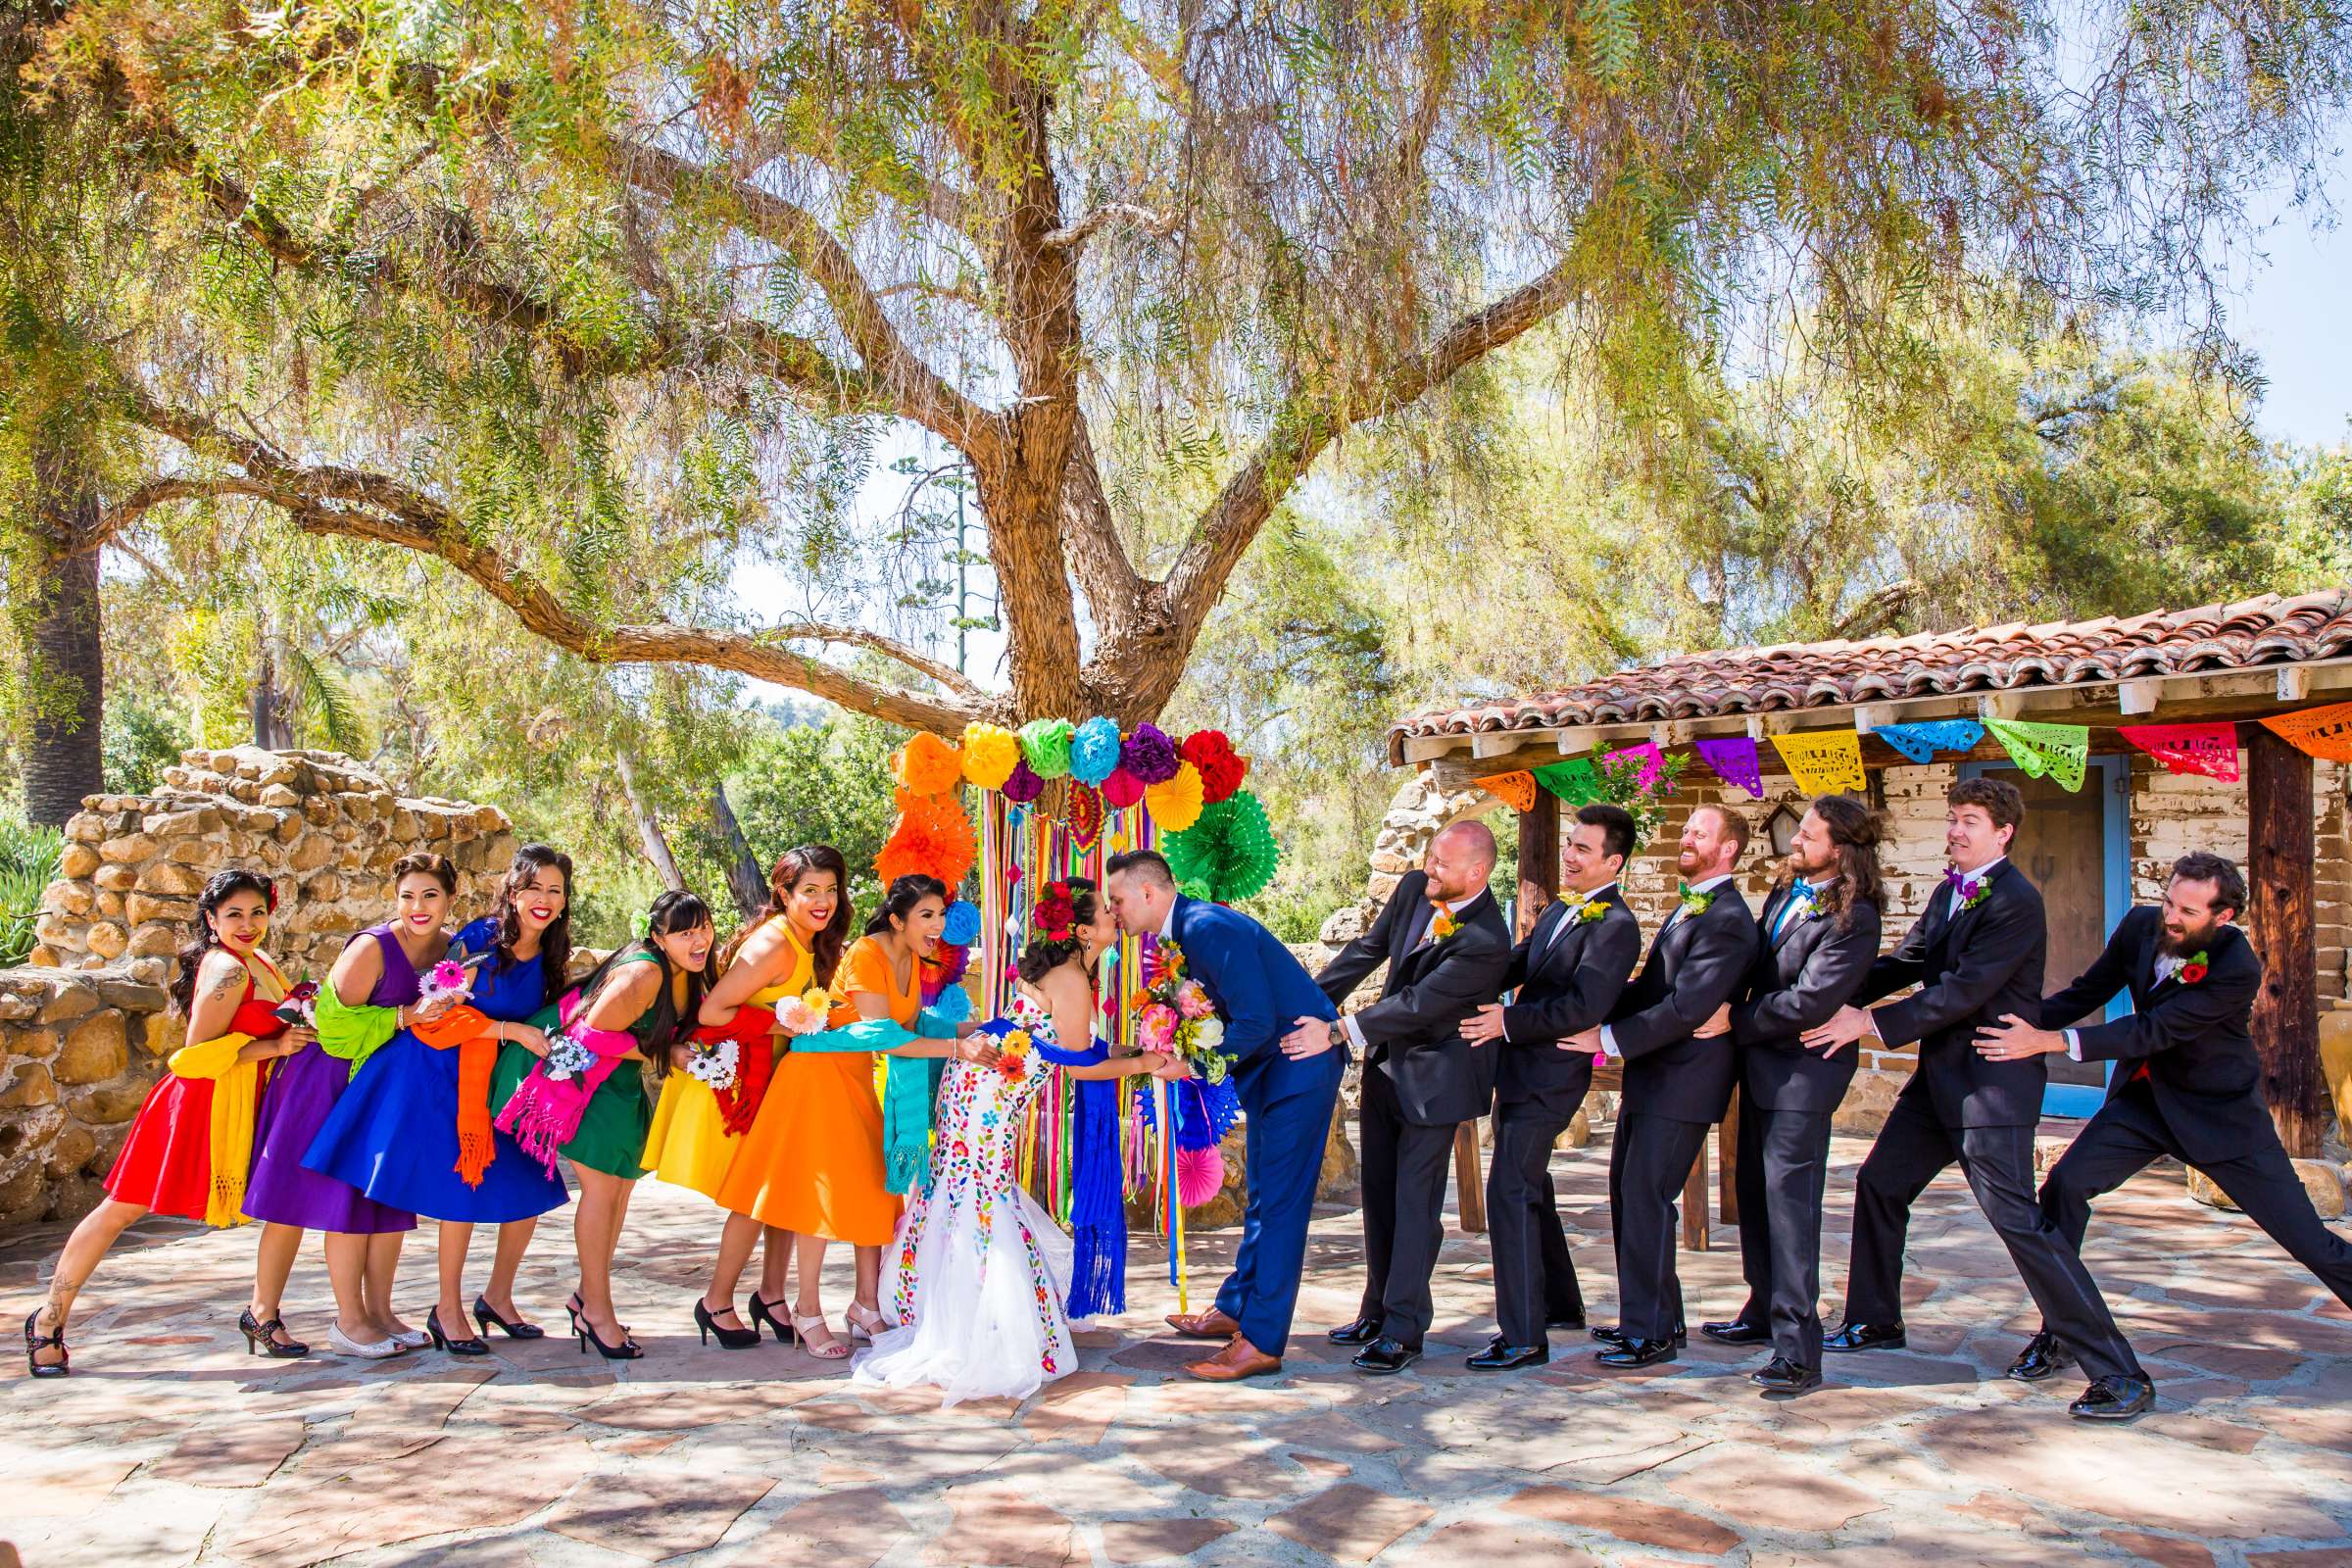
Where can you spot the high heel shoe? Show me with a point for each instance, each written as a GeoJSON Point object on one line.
{"type": "Point", "coordinates": [627, 1349]}
{"type": "Point", "coordinates": [36, 1341]}
{"type": "Point", "coordinates": [829, 1349]}
{"type": "Point", "coordinates": [728, 1338]}
{"type": "Point", "coordinates": [442, 1342]}
{"type": "Point", "coordinates": [761, 1312]}
{"type": "Point", "coordinates": [263, 1337]}
{"type": "Point", "coordinates": [571, 1310]}
{"type": "Point", "coordinates": [866, 1327]}
{"type": "Point", "coordinates": [486, 1320]}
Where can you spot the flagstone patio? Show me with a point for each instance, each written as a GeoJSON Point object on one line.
{"type": "Point", "coordinates": [170, 1445]}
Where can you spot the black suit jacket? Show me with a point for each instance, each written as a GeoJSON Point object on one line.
{"type": "Point", "coordinates": [1413, 1031]}
{"type": "Point", "coordinates": [1697, 963]}
{"type": "Point", "coordinates": [1567, 982]}
{"type": "Point", "coordinates": [2192, 1038]}
{"type": "Point", "coordinates": [1970, 971]}
{"type": "Point", "coordinates": [1797, 983]}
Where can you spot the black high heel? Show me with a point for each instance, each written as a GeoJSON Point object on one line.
{"type": "Point", "coordinates": [761, 1312]}
{"type": "Point", "coordinates": [728, 1338]}
{"type": "Point", "coordinates": [627, 1349]}
{"type": "Point", "coordinates": [35, 1342]}
{"type": "Point", "coordinates": [571, 1310]}
{"type": "Point", "coordinates": [263, 1337]}
{"type": "Point", "coordinates": [442, 1342]}
{"type": "Point", "coordinates": [485, 1319]}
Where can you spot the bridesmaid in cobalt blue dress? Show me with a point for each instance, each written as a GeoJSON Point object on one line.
{"type": "Point", "coordinates": [394, 1135]}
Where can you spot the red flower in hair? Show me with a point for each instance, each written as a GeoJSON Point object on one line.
{"type": "Point", "coordinates": [1056, 913]}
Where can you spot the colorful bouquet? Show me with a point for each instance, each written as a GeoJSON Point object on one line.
{"type": "Point", "coordinates": [713, 1062]}
{"type": "Point", "coordinates": [1012, 1053]}
{"type": "Point", "coordinates": [1173, 1014]}
{"type": "Point", "coordinates": [300, 1008]}
{"type": "Point", "coordinates": [447, 981]}
{"type": "Point", "coordinates": [805, 1013]}
{"type": "Point", "coordinates": [566, 1058]}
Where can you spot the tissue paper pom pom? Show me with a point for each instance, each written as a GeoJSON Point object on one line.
{"type": "Point", "coordinates": [1095, 751]}
{"type": "Point", "coordinates": [1023, 785]}
{"type": "Point", "coordinates": [991, 752]}
{"type": "Point", "coordinates": [933, 837]}
{"type": "Point", "coordinates": [1121, 790]}
{"type": "Point", "coordinates": [1222, 770]}
{"type": "Point", "coordinates": [1150, 756]}
{"type": "Point", "coordinates": [927, 764]}
{"type": "Point", "coordinates": [1229, 854]}
{"type": "Point", "coordinates": [962, 928]}
{"type": "Point", "coordinates": [1046, 747]}
{"type": "Point", "coordinates": [1176, 804]}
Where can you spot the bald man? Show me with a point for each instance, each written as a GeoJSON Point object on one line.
{"type": "Point", "coordinates": [1448, 948]}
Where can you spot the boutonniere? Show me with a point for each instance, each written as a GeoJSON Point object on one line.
{"type": "Point", "coordinates": [1973, 890]}
{"type": "Point", "coordinates": [2195, 969]}
{"type": "Point", "coordinates": [1441, 925]}
{"type": "Point", "coordinates": [1693, 901]}
{"type": "Point", "coordinates": [1594, 911]}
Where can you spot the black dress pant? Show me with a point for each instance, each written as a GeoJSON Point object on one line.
{"type": "Point", "coordinates": [1404, 1205]}
{"type": "Point", "coordinates": [1912, 1150]}
{"type": "Point", "coordinates": [1534, 1279]}
{"type": "Point", "coordinates": [1649, 1159]}
{"type": "Point", "coordinates": [1783, 1169]}
{"type": "Point", "coordinates": [2129, 1134]}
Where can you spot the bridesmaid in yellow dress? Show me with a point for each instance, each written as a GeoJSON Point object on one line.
{"type": "Point", "coordinates": [793, 945]}
{"type": "Point", "coordinates": [827, 1180]}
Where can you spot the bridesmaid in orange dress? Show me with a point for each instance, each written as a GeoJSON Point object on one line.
{"type": "Point", "coordinates": [827, 1181]}
{"type": "Point", "coordinates": [792, 946]}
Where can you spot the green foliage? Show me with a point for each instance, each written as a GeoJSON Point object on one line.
{"type": "Point", "coordinates": [27, 866]}
{"type": "Point", "coordinates": [822, 783]}
{"type": "Point", "coordinates": [143, 737]}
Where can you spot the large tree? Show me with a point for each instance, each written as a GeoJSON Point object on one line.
{"type": "Point", "coordinates": [533, 289]}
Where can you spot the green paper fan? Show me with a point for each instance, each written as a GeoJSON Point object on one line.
{"type": "Point", "coordinates": [1229, 854]}
{"type": "Point", "coordinates": [1046, 745]}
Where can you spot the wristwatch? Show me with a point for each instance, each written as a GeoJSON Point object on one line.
{"type": "Point", "coordinates": [1336, 1035]}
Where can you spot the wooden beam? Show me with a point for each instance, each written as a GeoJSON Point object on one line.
{"type": "Point", "coordinates": [1469, 1186]}
{"type": "Point", "coordinates": [1727, 1162]}
{"type": "Point", "coordinates": [2279, 921]}
{"type": "Point", "coordinates": [2294, 683]}
{"type": "Point", "coordinates": [2000, 704]}
{"type": "Point", "coordinates": [2138, 696]}
{"type": "Point", "coordinates": [1539, 860]}
{"type": "Point", "coordinates": [1495, 743]}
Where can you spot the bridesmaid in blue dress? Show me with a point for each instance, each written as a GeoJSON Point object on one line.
{"type": "Point", "coordinates": [394, 1135]}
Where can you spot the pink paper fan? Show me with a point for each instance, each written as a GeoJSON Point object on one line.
{"type": "Point", "coordinates": [1200, 1175]}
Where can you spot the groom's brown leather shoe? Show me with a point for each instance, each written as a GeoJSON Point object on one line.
{"type": "Point", "coordinates": [1209, 1325]}
{"type": "Point", "coordinates": [1238, 1360]}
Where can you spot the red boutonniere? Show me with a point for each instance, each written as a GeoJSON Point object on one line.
{"type": "Point", "coordinates": [2195, 969]}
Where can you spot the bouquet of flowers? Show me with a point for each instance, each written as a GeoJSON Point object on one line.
{"type": "Point", "coordinates": [447, 981]}
{"type": "Point", "coordinates": [805, 1013]}
{"type": "Point", "coordinates": [566, 1058]}
{"type": "Point", "coordinates": [1173, 1014]}
{"type": "Point", "coordinates": [300, 1008]}
{"type": "Point", "coordinates": [713, 1062]}
{"type": "Point", "coordinates": [1012, 1053]}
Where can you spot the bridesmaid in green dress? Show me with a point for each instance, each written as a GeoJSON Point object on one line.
{"type": "Point", "coordinates": [651, 991]}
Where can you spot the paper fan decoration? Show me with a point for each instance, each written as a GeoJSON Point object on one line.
{"type": "Point", "coordinates": [1229, 854]}
{"type": "Point", "coordinates": [1121, 790]}
{"type": "Point", "coordinates": [927, 764]}
{"type": "Point", "coordinates": [1086, 816]}
{"type": "Point", "coordinates": [1222, 768]}
{"type": "Point", "coordinates": [933, 837]}
{"type": "Point", "coordinates": [991, 752]}
{"type": "Point", "coordinates": [1176, 804]}
{"type": "Point", "coordinates": [1095, 751]}
{"type": "Point", "coordinates": [1046, 747]}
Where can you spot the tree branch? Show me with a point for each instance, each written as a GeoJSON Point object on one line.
{"type": "Point", "coordinates": [1071, 236]}
{"type": "Point", "coordinates": [353, 504]}
{"type": "Point", "coordinates": [1090, 538]}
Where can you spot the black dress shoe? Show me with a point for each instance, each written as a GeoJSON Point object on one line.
{"type": "Point", "coordinates": [1385, 1355]}
{"type": "Point", "coordinates": [2115, 1399]}
{"type": "Point", "coordinates": [1501, 1357]}
{"type": "Point", "coordinates": [1863, 1336]}
{"type": "Point", "coordinates": [1738, 1331]}
{"type": "Point", "coordinates": [1781, 1375]}
{"type": "Point", "coordinates": [1617, 1336]}
{"type": "Point", "coordinates": [1364, 1331]}
{"type": "Point", "coordinates": [2042, 1357]}
{"type": "Point", "coordinates": [1626, 1353]}
{"type": "Point", "coordinates": [1573, 1323]}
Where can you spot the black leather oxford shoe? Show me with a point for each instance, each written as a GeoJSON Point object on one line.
{"type": "Point", "coordinates": [1737, 1332]}
{"type": "Point", "coordinates": [1384, 1356]}
{"type": "Point", "coordinates": [1863, 1336]}
{"type": "Point", "coordinates": [1618, 1336]}
{"type": "Point", "coordinates": [2043, 1356]}
{"type": "Point", "coordinates": [1573, 1323]}
{"type": "Point", "coordinates": [1781, 1375]}
{"type": "Point", "coordinates": [1624, 1354]}
{"type": "Point", "coordinates": [1364, 1331]}
{"type": "Point", "coordinates": [1501, 1357]}
{"type": "Point", "coordinates": [2115, 1399]}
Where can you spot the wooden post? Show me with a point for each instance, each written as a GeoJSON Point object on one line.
{"type": "Point", "coordinates": [1694, 1204]}
{"type": "Point", "coordinates": [1469, 1186]}
{"type": "Point", "coordinates": [2280, 850]}
{"type": "Point", "coordinates": [1727, 1162]}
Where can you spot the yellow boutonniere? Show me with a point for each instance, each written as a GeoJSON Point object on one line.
{"type": "Point", "coordinates": [1441, 925]}
{"type": "Point", "coordinates": [1592, 911]}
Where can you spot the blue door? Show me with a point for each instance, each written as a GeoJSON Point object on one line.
{"type": "Point", "coordinates": [2073, 845]}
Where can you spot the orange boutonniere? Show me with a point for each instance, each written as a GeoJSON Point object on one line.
{"type": "Point", "coordinates": [1441, 925]}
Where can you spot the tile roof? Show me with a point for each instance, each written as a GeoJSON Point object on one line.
{"type": "Point", "coordinates": [2273, 629]}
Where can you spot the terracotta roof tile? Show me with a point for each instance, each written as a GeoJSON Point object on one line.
{"type": "Point", "coordinates": [2273, 629]}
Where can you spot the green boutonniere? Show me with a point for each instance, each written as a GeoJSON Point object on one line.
{"type": "Point", "coordinates": [1693, 902]}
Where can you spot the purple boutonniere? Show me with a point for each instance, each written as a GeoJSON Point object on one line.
{"type": "Point", "coordinates": [1972, 889]}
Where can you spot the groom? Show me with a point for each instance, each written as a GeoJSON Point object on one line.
{"type": "Point", "coordinates": [1286, 1100]}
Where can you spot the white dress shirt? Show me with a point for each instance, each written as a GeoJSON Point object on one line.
{"type": "Point", "coordinates": [1608, 1039]}
{"type": "Point", "coordinates": [2167, 966]}
{"type": "Point", "coordinates": [1976, 876]}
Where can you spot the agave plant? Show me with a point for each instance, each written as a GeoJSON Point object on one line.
{"type": "Point", "coordinates": [28, 863]}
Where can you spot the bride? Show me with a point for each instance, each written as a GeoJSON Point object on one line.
{"type": "Point", "coordinates": [980, 1280]}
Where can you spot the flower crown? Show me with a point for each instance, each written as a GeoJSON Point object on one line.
{"type": "Point", "coordinates": [1055, 913]}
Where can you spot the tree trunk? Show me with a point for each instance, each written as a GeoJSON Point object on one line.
{"type": "Point", "coordinates": [745, 880]}
{"type": "Point", "coordinates": [270, 731]}
{"type": "Point", "coordinates": [648, 826]}
{"type": "Point", "coordinates": [63, 668]}
{"type": "Point", "coordinates": [2280, 850]}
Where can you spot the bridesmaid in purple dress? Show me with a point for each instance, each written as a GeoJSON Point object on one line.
{"type": "Point", "coordinates": [379, 968]}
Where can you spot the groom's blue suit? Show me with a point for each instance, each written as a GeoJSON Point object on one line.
{"type": "Point", "coordinates": [1261, 993]}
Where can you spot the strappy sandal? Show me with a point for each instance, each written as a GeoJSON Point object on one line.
{"type": "Point", "coordinates": [37, 1341]}
{"type": "Point", "coordinates": [865, 1328]}
{"type": "Point", "coordinates": [827, 1348]}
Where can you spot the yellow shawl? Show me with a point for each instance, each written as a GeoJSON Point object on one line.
{"type": "Point", "coordinates": [237, 1089]}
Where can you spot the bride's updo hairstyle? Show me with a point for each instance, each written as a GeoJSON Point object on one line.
{"type": "Point", "coordinates": [1053, 926]}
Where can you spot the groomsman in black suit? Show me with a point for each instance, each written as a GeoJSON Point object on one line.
{"type": "Point", "coordinates": [1977, 958]}
{"type": "Point", "coordinates": [1569, 973]}
{"type": "Point", "coordinates": [1444, 939]}
{"type": "Point", "coordinates": [1676, 1085]}
{"type": "Point", "coordinates": [1819, 937]}
{"type": "Point", "coordinates": [2186, 1081]}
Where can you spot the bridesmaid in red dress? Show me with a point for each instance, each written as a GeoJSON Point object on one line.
{"type": "Point", "coordinates": [188, 1149]}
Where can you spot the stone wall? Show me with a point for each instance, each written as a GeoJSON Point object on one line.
{"type": "Point", "coordinates": [84, 1027]}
